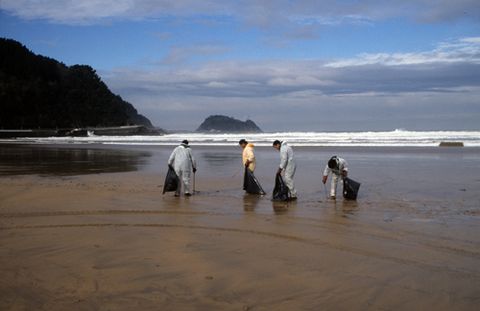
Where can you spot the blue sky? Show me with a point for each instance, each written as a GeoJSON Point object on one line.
{"type": "Point", "coordinates": [288, 65]}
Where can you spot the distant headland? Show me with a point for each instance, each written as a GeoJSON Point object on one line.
{"type": "Point", "coordinates": [224, 124]}
{"type": "Point", "coordinates": [44, 96]}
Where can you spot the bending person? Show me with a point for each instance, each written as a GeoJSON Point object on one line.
{"type": "Point", "coordinates": [287, 166]}
{"type": "Point", "coordinates": [183, 162]}
{"type": "Point", "coordinates": [338, 167]}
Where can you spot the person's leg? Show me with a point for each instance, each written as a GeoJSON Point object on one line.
{"type": "Point", "coordinates": [289, 174]}
{"type": "Point", "coordinates": [179, 188]}
{"type": "Point", "coordinates": [186, 182]}
{"type": "Point", "coordinates": [333, 187]}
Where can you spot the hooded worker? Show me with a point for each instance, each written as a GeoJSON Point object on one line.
{"type": "Point", "coordinates": [338, 167]}
{"type": "Point", "coordinates": [248, 155]}
{"type": "Point", "coordinates": [287, 166]}
{"type": "Point", "coordinates": [183, 162]}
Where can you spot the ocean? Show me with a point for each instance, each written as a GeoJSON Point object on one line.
{"type": "Point", "coordinates": [396, 138]}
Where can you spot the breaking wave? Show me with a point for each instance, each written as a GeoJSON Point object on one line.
{"type": "Point", "coordinates": [398, 137]}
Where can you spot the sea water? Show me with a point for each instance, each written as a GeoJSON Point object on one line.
{"type": "Point", "coordinates": [361, 139]}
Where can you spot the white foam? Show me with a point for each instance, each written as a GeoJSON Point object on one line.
{"type": "Point", "coordinates": [374, 139]}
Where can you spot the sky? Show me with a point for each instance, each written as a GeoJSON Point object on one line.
{"type": "Point", "coordinates": [288, 65]}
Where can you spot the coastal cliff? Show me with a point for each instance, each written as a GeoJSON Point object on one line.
{"type": "Point", "coordinates": [38, 92]}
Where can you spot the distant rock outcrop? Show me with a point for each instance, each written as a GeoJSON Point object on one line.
{"type": "Point", "coordinates": [224, 124]}
{"type": "Point", "coordinates": [38, 92]}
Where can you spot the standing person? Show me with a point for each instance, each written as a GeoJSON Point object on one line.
{"type": "Point", "coordinates": [183, 162]}
{"type": "Point", "coordinates": [250, 183]}
{"type": "Point", "coordinates": [338, 167]}
{"type": "Point", "coordinates": [248, 156]}
{"type": "Point", "coordinates": [287, 165]}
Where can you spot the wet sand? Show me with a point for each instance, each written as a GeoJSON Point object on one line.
{"type": "Point", "coordinates": [102, 237]}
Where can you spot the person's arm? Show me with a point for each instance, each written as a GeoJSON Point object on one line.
{"type": "Point", "coordinates": [344, 169]}
{"type": "Point", "coordinates": [326, 172]}
{"type": "Point", "coordinates": [172, 157]}
{"type": "Point", "coordinates": [250, 156]}
{"type": "Point", "coordinates": [283, 158]}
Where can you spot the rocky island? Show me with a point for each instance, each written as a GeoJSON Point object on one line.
{"type": "Point", "coordinates": [224, 124]}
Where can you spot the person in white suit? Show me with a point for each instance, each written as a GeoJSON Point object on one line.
{"type": "Point", "coordinates": [338, 167]}
{"type": "Point", "coordinates": [184, 164]}
{"type": "Point", "coordinates": [287, 166]}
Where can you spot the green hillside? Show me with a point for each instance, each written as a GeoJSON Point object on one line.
{"type": "Point", "coordinates": [40, 92]}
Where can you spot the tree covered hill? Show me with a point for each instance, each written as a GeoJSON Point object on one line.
{"type": "Point", "coordinates": [40, 92]}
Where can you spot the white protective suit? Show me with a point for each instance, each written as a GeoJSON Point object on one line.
{"type": "Point", "coordinates": [287, 164]}
{"type": "Point", "coordinates": [183, 163]}
{"type": "Point", "coordinates": [342, 165]}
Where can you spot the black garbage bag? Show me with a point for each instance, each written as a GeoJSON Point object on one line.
{"type": "Point", "coordinates": [171, 181]}
{"type": "Point", "coordinates": [251, 184]}
{"type": "Point", "coordinates": [350, 188]}
{"type": "Point", "coordinates": [281, 191]}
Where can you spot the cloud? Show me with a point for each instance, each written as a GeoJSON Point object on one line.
{"type": "Point", "coordinates": [263, 14]}
{"type": "Point", "coordinates": [465, 50]}
{"type": "Point", "coordinates": [281, 23]}
{"type": "Point", "coordinates": [68, 11]}
{"type": "Point", "coordinates": [312, 111]}
{"type": "Point", "coordinates": [444, 80]}
{"type": "Point", "coordinates": [97, 11]}
{"type": "Point", "coordinates": [187, 79]}
{"type": "Point", "coordinates": [449, 66]}
{"type": "Point", "coordinates": [442, 10]}
{"type": "Point", "coordinates": [181, 54]}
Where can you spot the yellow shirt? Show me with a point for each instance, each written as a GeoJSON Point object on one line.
{"type": "Point", "coordinates": [250, 156]}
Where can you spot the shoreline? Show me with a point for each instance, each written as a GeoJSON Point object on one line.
{"type": "Point", "coordinates": [400, 138]}
{"type": "Point", "coordinates": [108, 239]}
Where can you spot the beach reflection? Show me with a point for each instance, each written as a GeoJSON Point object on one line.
{"type": "Point", "coordinates": [221, 159]}
{"type": "Point", "coordinates": [349, 207]}
{"type": "Point", "coordinates": [58, 161]}
{"type": "Point", "coordinates": [281, 208]}
{"type": "Point", "coordinates": [250, 202]}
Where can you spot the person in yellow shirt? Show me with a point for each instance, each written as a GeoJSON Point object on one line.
{"type": "Point", "coordinates": [248, 156]}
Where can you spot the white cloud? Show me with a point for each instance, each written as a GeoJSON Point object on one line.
{"type": "Point", "coordinates": [181, 54]}
{"type": "Point", "coordinates": [463, 50]}
{"type": "Point", "coordinates": [310, 110]}
{"type": "Point", "coordinates": [68, 11]}
{"type": "Point", "coordinates": [216, 84]}
{"type": "Point", "coordinates": [444, 80]}
{"type": "Point", "coordinates": [447, 68]}
{"type": "Point", "coordinates": [254, 12]}
{"type": "Point", "coordinates": [297, 80]}
{"type": "Point", "coordinates": [471, 40]}
{"type": "Point", "coordinates": [394, 89]}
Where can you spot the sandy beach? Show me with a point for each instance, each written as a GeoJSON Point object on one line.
{"type": "Point", "coordinates": [87, 228]}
